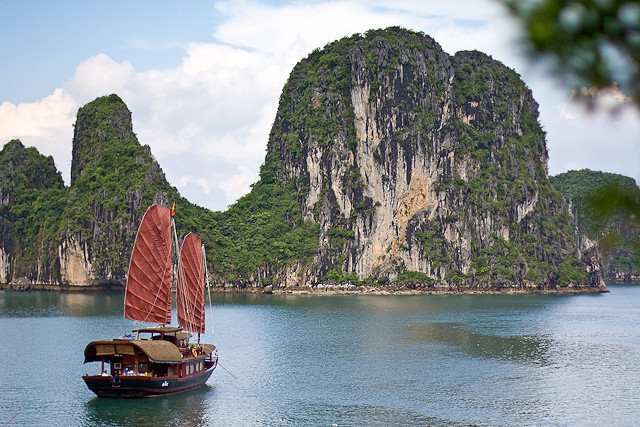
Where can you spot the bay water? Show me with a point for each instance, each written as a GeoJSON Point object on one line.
{"type": "Point", "coordinates": [344, 360]}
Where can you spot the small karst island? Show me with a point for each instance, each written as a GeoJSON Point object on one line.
{"type": "Point", "coordinates": [391, 166]}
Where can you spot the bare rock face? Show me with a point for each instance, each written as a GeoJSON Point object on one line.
{"type": "Point", "coordinates": [422, 168]}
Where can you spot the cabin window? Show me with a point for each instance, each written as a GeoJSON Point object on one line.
{"type": "Point", "coordinates": [142, 367]}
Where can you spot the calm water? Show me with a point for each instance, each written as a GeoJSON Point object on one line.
{"type": "Point", "coordinates": [345, 360]}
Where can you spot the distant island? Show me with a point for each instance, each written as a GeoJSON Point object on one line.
{"type": "Point", "coordinates": [616, 236]}
{"type": "Point", "coordinates": [391, 166]}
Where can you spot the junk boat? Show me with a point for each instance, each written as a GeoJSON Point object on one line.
{"type": "Point", "coordinates": [158, 360]}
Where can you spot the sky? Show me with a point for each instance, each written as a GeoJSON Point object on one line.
{"type": "Point", "coordinates": [203, 78]}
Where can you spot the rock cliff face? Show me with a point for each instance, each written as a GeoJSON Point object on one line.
{"type": "Point", "coordinates": [615, 235]}
{"type": "Point", "coordinates": [78, 237]}
{"type": "Point", "coordinates": [28, 235]}
{"type": "Point", "coordinates": [421, 168]}
{"type": "Point", "coordinates": [113, 180]}
{"type": "Point", "coordinates": [389, 162]}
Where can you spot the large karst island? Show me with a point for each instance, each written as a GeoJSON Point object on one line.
{"type": "Point", "coordinates": [390, 165]}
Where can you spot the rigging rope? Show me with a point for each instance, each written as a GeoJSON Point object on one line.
{"type": "Point", "coordinates": [188, 308]}
{"type": "Point", "coordinates": [227, 370]}
{"type": "Point", "coordinates": [12, 418]}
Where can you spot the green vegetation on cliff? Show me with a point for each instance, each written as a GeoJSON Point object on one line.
{"type": "Point", "coordinates": [406, 76]}
{"type": "Point", "coordinates": [32, 205]}
{"type": "Point", "coordinates": [618, 233]}
{"type": "Point", "coordinates": [109, 164]}
{"type": "Point", "coordinates": [388, 161]}
{"type": "Point", "coordinates": [263, 230]}
{"type": "Point", "coordinates": [506, 142]}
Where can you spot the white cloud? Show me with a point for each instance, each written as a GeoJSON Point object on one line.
{"type": "Point", "coordinates": [236, 185]}
{"type": "Point", "coordinates": [595, 139]}
{"type": "Point", "coordinates": [99, 75]}
{"type": "Point", "coordinates": [184, 180]}
{"type": "Point", "coordinates": [37, 119]}
{"type": "Point", "coordinates": [45, 124]}
{"type": "Point", "coordinates": [208, 119]}
{"type": "Point", "coordinates": [297, 27]}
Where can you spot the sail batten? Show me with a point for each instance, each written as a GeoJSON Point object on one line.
{"type": "Point", "coordinates": [148, 293]}
{"type": "Point", "coordinates": [190, 286]}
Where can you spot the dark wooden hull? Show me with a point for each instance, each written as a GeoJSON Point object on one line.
{"type": "Point", "coordinates": [142, 386]}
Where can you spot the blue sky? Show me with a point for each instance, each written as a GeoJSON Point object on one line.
{"type": "Point", "coordinates": [44, 41]}
{"type": "Point", "coordinates": [203, 78]}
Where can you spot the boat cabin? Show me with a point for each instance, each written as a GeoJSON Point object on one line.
{"type": "Point", "coordinates": [165, 352]}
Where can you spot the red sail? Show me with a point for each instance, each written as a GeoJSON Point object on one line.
{"type": "Point", "coordinates": [148, 294]}
{"type": "Point", "coordinates": [190, 287]}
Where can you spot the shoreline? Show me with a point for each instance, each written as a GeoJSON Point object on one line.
{"type": "Point", "coordinates": [327, 290]}
{"type": "Point", "coordinates": [399, 290]}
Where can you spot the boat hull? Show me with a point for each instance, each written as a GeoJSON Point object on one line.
{"type": "Point", "coordinates": [142, 386]}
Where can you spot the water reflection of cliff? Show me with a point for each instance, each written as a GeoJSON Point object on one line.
{"type": "Point", "coordinates": [519, 348]}
{"type": "Point", "coordinates": [48, 304]}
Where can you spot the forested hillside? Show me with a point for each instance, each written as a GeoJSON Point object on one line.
{"type": "Point", "coordinates": [617, 235]}
{"type": "Point", "coordinates": [389, 163]}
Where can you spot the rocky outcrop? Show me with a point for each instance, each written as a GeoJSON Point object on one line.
{"type": "Point", "coordinates": [97, 126]}
{"type": "Point", "coordinates": [615, 235]}
{"type": "Point", "coordinates": [31, 192]}
{"type": "Point", "coordinates": [113, 180]}
{"type": "Point", "coordinates": [78, 237]}
{"type": "Point", "coordinates": [389, 163]}
{"type": "Point", "coordinates": [420, 168]}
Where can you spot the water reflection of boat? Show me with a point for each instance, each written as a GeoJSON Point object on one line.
{"type": "Point", "coordinates": [161, 361]}
{"type": "Point", "coordinates": [180, 409]}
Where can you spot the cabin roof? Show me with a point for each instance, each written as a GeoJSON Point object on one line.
{"type": "Point", "coordinates": [177, 332]}
{"type": "Point", "coordinates": [166, 330]}
{"type": "Point", "coordinates": [208, 348]}
{"type": "Point", "coordinates": [158, 351]}
{"type": "Point", "coordinates": [183, 335]}
{"type": "Point", "coordinates": [160, 329]}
